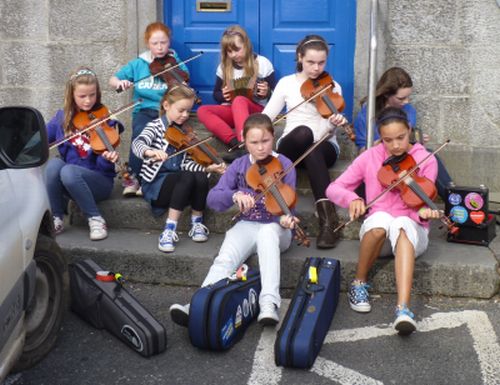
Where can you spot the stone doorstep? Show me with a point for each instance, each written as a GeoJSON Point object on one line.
{"type": "Point", "coordinates": [135, 213]}
{"type": "Point", "coordinates": [445, 269]}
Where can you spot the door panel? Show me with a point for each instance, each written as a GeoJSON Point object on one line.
{"type": "Point", "coordinates": [284, 23]}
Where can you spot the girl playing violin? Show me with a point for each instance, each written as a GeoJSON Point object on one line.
{"type": "Point", "coordinates": [394, 89]}
{"type": "Point", "coordinates": [79, 173]}
{"type": "Point", "coordinates": [391, 225]}
{"type": "Point", "coordinates": [150, 90]}
{"type": "Point", "coordinates": [257, 230]}
{"type": "Point", "coordinates": [305, 126]}
{"type": "Point", "coordinates": [173, 182]}
{"type": "Point", "coordinates": [238, 62]}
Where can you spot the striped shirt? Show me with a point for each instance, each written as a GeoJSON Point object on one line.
{"type": "Point", "coordinates": [153, 138]}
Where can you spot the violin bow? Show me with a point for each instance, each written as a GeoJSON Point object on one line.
{"type": "Point", "coordinates": [98, 122]}
{"type": "Point", "coordinates": [318, 93]}
{"type": "Point", "coordinates": [395, 183]}
{"type": "Point", "coordinates": [167, 69]}
{"type": "Point", "coordinates": [287, 170]}
{"type": "Point", "coordinates": [149, 160]}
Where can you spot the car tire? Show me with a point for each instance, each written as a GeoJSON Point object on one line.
{"type": "Point", "coordinates": [45, 312]}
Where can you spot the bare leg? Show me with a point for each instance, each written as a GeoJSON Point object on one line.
{"type": "Point", "coordinates": [369, 251]}
{"type": "Point", "coordinates": [197, 213]}
{"type": "Point", "coordinates": [174, 214]}
{"type": "Point", "coordinates": [404, 265]}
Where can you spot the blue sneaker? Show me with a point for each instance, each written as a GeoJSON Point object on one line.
{"type": "Point", "coordinates": [168, 239]}
{"type": "Point", "coordinates": [359, 299]}
{"type": "Point", "coordinates": [405, 320]}
{"type": "Point", "coordinates": [199, 232]}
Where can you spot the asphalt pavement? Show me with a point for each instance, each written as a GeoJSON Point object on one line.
{"type": "Point", "coordinates": [457, 343]}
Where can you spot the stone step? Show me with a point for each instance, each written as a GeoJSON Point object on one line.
{"type": "Point", "coordinates": [135, 213]}
{"type": "Point", "coordinates": [445, 269]}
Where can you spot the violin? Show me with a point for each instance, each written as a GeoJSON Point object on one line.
{"type": "Point", "coordinates": [102, 137]}
{"type": "Point", "coordinates": [170, 65]}
{"type": "Point", "coordinates": [182, 137]}
{"type": "Point", "coordinates": [329, 102]}
{"type": "Point", "coordinates": [400, 179]}
{"type": "Point", "coordinates": [416, 191]}
{"type": "Point", "coordinates": [172, 77]}
{"type": "Point", "coordinates": [265, 175]}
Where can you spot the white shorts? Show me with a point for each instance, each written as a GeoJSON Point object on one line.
{"type": "Point", "coordinates": [417, 234]}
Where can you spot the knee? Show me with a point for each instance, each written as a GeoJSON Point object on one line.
{"type": "Point", "coordinates": [200, 179]}
{"type": "Point", "coordinates": [377, 233]}
{"type": "Point", "coordinates": [267, 236]}
{"type": "Point", "coordinates": [53, 168]}
{"type": "Point", "coordinates": [69, 174]}
{"type": "Point", "coordinates": [304, 134]}
{"type": "Point", "coordinates": [239, 101]}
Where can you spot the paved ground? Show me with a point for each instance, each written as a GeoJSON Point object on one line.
{"type": "Point", "coordinates": [457, 343]}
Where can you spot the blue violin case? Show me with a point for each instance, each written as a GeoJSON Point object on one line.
{"type": "Point", "coordinates": [220, 313]}
{"type": "Point", "coordinates": [309, 315]}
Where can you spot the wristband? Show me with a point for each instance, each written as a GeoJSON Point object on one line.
{"type": "Point", "coordinates": [420, 211]}
{"type": "Point", "coordinates": [234, 197]}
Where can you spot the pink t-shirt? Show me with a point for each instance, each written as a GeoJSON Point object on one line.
{"type": "Point", "coordinates": [365, 169]}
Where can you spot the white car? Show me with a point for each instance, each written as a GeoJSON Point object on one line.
{"type": "Point", "coordinates": [33, 270]}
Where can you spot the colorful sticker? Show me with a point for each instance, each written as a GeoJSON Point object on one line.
{"type": "Point", "coordinates": [252, 298]}
{"type": "Point", "coordinates": [455, 199]}
{"type": "Point", "coordinates": [459, 214]}
{"type": "Point", "coordinates": [227, 331]}
{"type": "Point", "coordinates": [477, 217]}
{"type": "Point", "coordinates": [473, 201]}
{"type": "Point", "coordinates": [246, 308]}
{"type": "Point", "coordinates": [238, 317]}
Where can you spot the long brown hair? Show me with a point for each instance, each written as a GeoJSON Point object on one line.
{"type": "Point", "coordinates": [228, 43]}
{"type": "Point", "coordinates": [315, 42]}
{"type": "Point", "coordinates": [82, 75]}
{"type": "Point", "coordinates": [388, 85]}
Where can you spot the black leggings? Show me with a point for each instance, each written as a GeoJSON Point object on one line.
{"type": "Point", "coordinates": [316, 163]}
{"type": "Point", "coordinates": [183, 188]}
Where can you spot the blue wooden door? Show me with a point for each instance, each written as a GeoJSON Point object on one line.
{"type": "Point", "coordinates": [285, 22]}
{"type": "Point", "coordinates": [198, 26]}
{"type": "Point", "coordinates": [274, 26]}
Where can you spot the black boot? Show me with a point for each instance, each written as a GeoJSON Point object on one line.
{"type": "Point", "coordinates": [235, 153]}
{"type": "Point", "coordinates": [328, 220]}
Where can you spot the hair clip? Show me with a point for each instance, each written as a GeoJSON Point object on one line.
{"type": "Point", "coordinates": [232, 33]}
{"type": "Point", "coordinates": [393, 116]}
{"type": "Point", "coordinates": [81, 73]}
{"type": "Point", "coordinates": [313, 41]}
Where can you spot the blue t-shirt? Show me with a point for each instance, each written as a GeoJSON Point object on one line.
{"type": "Point", "coordinates": [360, 124]}
{"type": "Point", "coordinates": [150, 89]}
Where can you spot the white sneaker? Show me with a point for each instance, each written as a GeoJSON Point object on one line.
{"type": "Point", "coordinates": [179, 314]}
{"type": "Point", "coordinates": [98, 229]}
{"type": "Point", "coordinates": [130, 187]}
{"type": "Point", "coordinates": [199, 232]}
{"type": "Point", "coordinates": [58, 225]}
{"type": "Point", "coordinates": [268, 315]}
{"type": "Point", "coordinates": [167, 240]}
{"type": "Point", "coordinates": [139, 192]}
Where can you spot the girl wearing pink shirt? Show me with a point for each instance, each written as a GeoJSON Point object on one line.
{"type": "Point", "coordinates": [390, 226]}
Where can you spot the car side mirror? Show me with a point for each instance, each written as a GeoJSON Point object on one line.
{"type": "Point", "coordinates": [23, 138]}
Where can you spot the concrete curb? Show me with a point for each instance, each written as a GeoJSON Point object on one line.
{"type": "Point", "coordinates": [445, 269]}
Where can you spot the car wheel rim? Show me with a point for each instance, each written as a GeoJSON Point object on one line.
{"type": "Point", "coordinates": [42, 314]}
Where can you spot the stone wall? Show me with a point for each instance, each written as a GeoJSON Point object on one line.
{"type": "Point", "coordinates": [450, 47]}
{"type": "Point", "coordinates": [452, 51]}
{"type": "Point", "coordinates": [41, 42]}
